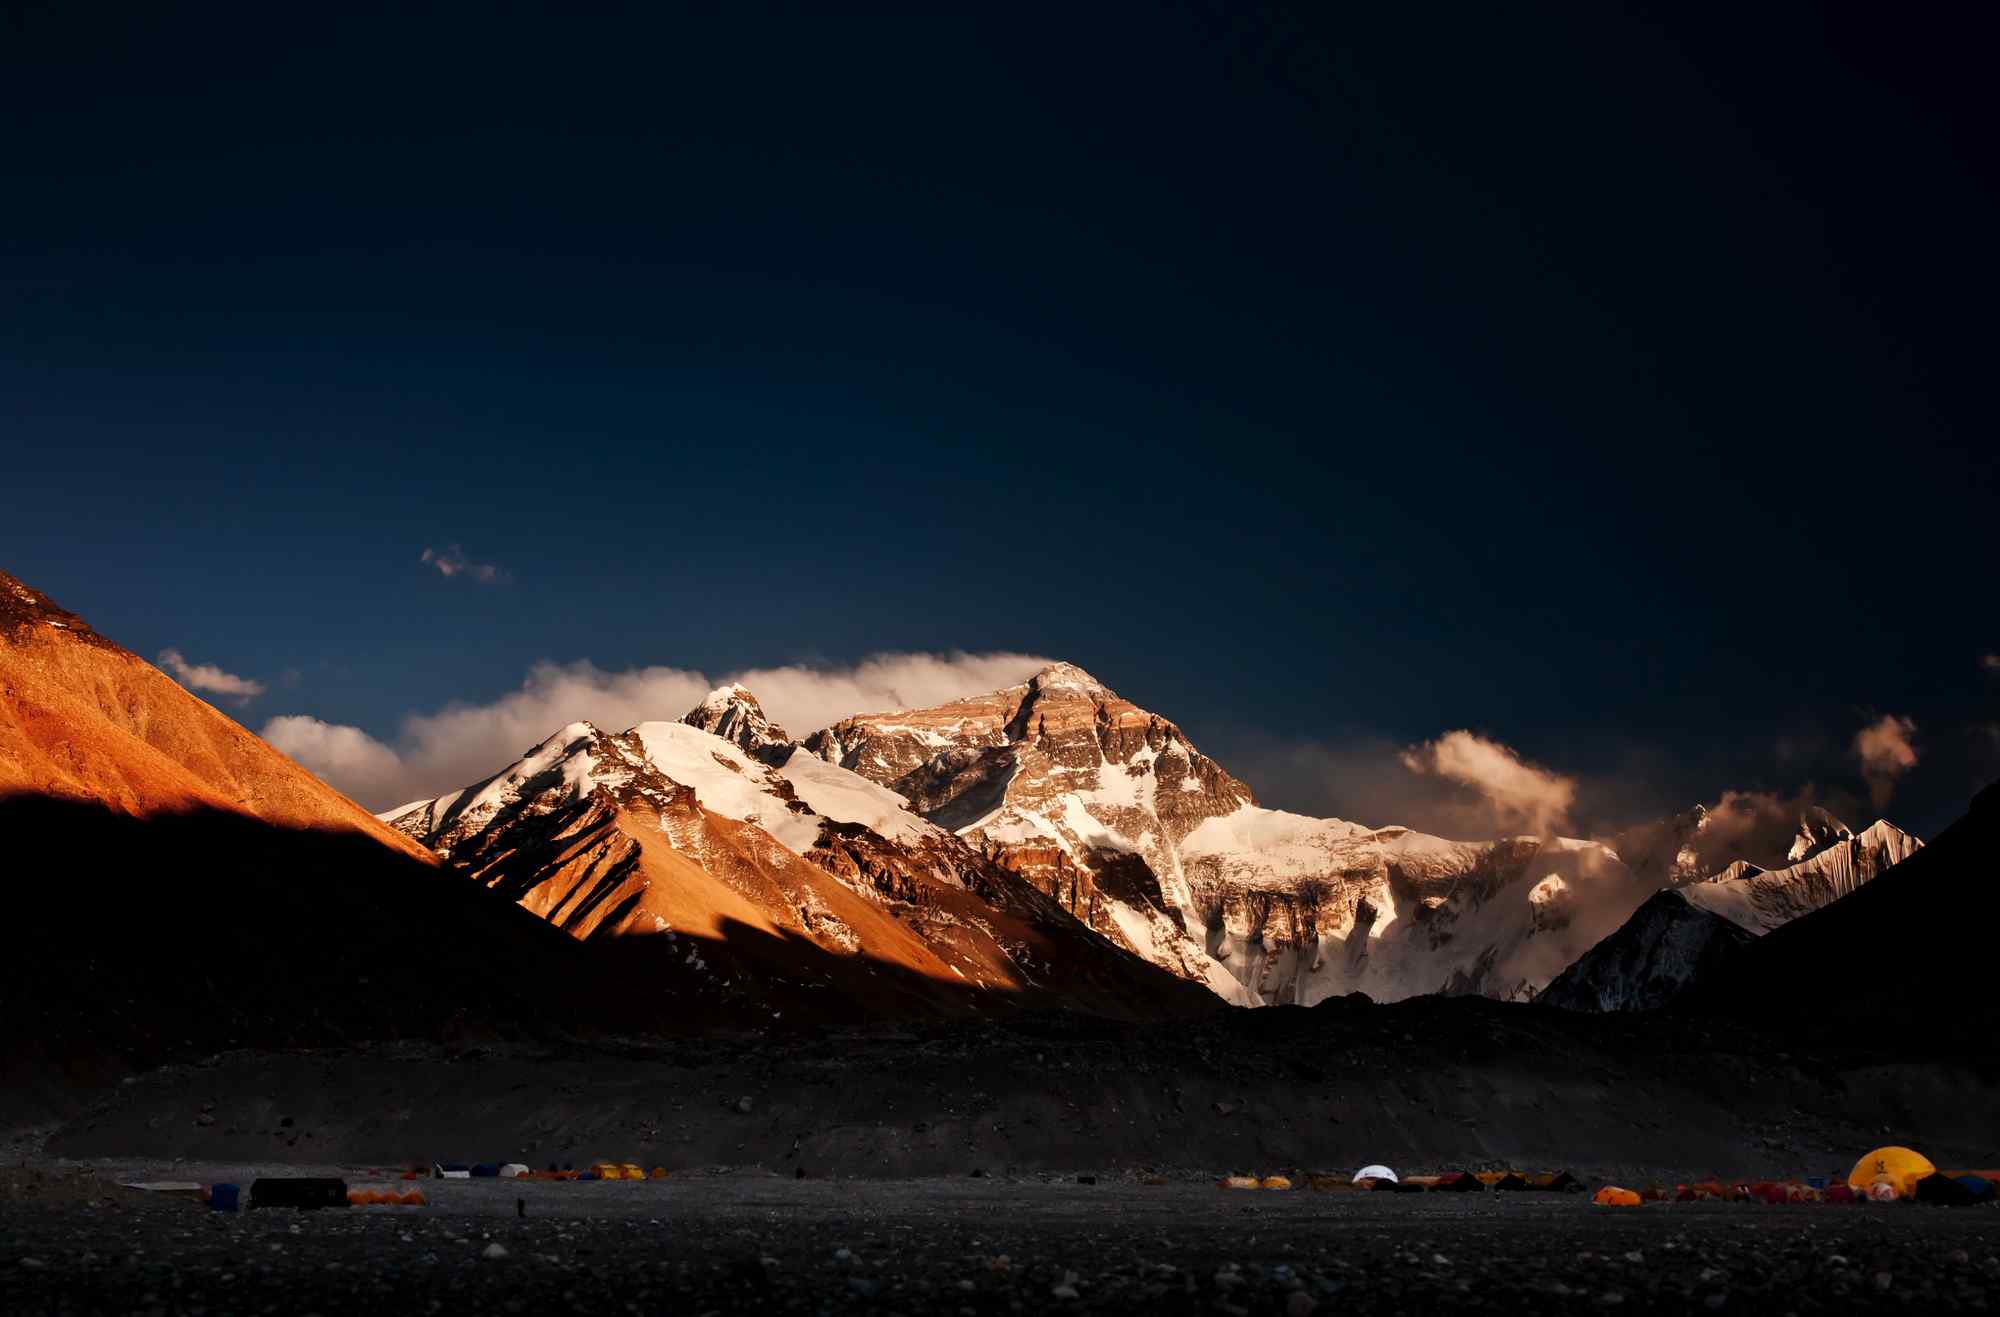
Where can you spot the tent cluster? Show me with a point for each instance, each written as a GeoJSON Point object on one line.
{"type": "Point", "coordinates": [367, 1196]}
{"type": "Point", "coordinates": [1886, 1175]}
{"type": "Point", "coordinates": [301, 1191]}
{"type": "Point", "coordinates": [1892, 1174]}
{"type": "Point", "coordinates": [520, 1171]}
{"type": "Point", "coordinates": [1381, 1179]}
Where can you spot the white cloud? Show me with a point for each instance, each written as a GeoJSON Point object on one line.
{"type": "Point", "coordinates": [806, 699]}
{"type": "Point", "coordinates": [1887, 750]}
{"type": "Point", "coordinates": [208, 677]}
{"type": "Point", "coordinates": [464, 743]}
{"type": "Point", "coordinates": [1520, 793]}
{"type": "Point", "coordinates": [451, 561]}
{"type": "Point", "coordinates": [347, 757]}
{"type": "Point", "coordinates": [1754, 825]}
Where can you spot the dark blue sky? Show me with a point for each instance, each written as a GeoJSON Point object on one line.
{"type": "Point", "coordinates": [1616, 383]}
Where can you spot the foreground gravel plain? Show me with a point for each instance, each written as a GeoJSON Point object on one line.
{"type": "Point", "coordinates": [71, 1241]}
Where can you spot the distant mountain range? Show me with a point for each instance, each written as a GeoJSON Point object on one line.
{"type": "Point", "coordinates": [1685, 933]}
{"type": "Point", "coordinates": [1060, 788]}
{"type": "Point", "coordinates": [1048, 844]}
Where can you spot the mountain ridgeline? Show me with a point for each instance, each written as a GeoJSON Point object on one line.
{"type": "Point", "coordinates": [992, 839]}
{"type": "Point", "coordinates": [1048, 845]}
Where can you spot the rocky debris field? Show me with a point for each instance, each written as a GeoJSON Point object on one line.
{"type": "Point", "coordinates": [72, 1241]}
{"type": "Point", "coordinates": [1431, 1085]}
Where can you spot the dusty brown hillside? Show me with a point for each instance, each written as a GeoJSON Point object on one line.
{"type": "Point", "coordinates": [83, 719]}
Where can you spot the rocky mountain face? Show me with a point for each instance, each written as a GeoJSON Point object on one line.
{"type": "Point", "coordinates": [1667, 945]}
{"type": "Point", "coordinates": [1817, 831]}
{"type": "Point", "coordinates": [1112, 811]}
{"type": "Point", "coordinates": [732, 713]}
{"type": "Point", "coordinates": [1081, 792]}
{"type": "Point", "coordinates": [1906, 958]}
{"type": "Point", "coordinates": [1829, 862]}
{"type": "Point", "coordinates": [1395, 913]}
{"type": "Point", "coordinates": [790, 883]}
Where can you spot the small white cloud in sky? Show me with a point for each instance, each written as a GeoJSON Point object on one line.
{"type": "Point", "coordinates": [207, 677]}
{"type": "Point", "coordinates": [459, 744]}
{"type": "Point", "coordinates": [1887, 749]}
{"type": "Point", "coordinates": [1521, 793]}
{"type": "Point", "coordinates": [451, 561]}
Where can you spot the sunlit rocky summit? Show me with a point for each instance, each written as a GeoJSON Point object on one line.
{"type": "Point", "coordinates": [669, 830]}
{"type": "Point", "coordinates": [1048, 844]}
{"type": "Point", "coordinates": [979, 838]}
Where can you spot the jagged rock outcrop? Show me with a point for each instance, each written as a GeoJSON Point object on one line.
{"type": "Point", "coordinates": [733, 713]}
{"type": "Point", "coordinates": [1830, 862]}
{"type": "Point", "coordinates": [1667, 945]}
{"type": "Point", "coordinates": [1817, 830]}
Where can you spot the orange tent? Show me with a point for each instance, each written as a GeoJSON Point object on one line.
{"type": "Point", "coordinates": [1612, 1196]}
{"type": "Point", "coordinates": [1896, 1167]}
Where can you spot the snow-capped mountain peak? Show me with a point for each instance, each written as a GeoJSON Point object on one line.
{"type": "Point", "coordinates": [1818, 830]}
{"type": "Point", "coordinates": [1075, 788]}
{"type": "Point", "coordinates": [653, 761]}
{"type": "Point", "coordinates": [733, 713]}
{"type": "Point", "coordinates": [1067, 676]}
{"type": "Point", "coordinates": [1760, 900]}
{"type": "Point", "coordinates": [1688, 932]}
{"type": "Point", "coordinates": [667, 828]}
{"type": "Point", "coordinates": [1113, 816]}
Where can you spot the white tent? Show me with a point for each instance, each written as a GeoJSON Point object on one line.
{"type": "Point", "coordinates": [513, 1171]}
{"type": "Point", "coordinates": [1375, 1173]}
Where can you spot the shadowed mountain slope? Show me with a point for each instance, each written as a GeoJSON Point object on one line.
{"type": "Point", "coordinates": [176, 886]}
{"type": "Point", "coordinates": [1909, 955]}
{"type": "Point", "coordinates": [1667, 944]}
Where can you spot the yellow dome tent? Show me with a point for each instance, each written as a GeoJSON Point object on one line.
{"type": "Point", "coordinates": [1898, 1167]}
